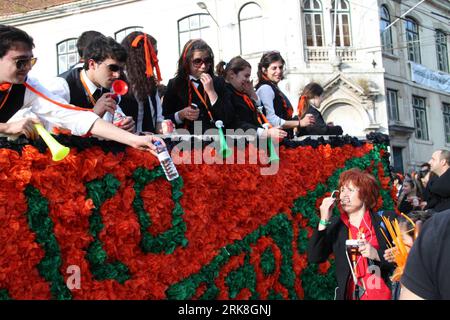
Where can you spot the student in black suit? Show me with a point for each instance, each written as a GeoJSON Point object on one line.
{"type": "Point", "coordinates": [143, 75]}
{"type": "Point", "coordinates": [89, 87]}
{"type": "Point", "coordinates": [245, 102]}
{"type": "Point", "coordinates": [309, 103]}
{"type": "Point", "coordinates": [195, 94]}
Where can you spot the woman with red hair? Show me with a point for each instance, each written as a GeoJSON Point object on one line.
{"type": "Point", "coordinates": [309, 104]}
{"type": "Point", "coordinates": [355, 238]}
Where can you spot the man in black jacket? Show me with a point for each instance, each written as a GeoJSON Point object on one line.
{"type": "Point", "coordinates": [426, 272]}
{"type": "Point", "coordinates": [439, 198]}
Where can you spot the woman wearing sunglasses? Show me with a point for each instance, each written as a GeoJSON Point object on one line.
{"type": "Point", "coordinates": [245, 102]}
{"type": "Point", "coordinates": [195, 95]}
{"type": "Point", "coordinates": [355, 237]}
{"type": "Point", "coordinates": [278, 107]}
{"type": "Point", "coordinates": [143, 75]}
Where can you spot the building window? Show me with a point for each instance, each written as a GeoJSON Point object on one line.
{"type": "Point", "coordinates": [251, 28]}
{"type": "Point", "coordinates": [341, 11]}
{"type": "Point", "coordinates": [441, 50]}
{"type": "Point", "coordinates": [67, 54]}
{"type": "Point", "coordinates": [196, 26]}
{"type": "Point", "coordinates": [312, 10]}
{"type": "Point", "coordinates": [392, 104]}
{"type": "Point", "coordinates": [420, 118]}
{"type": "Point", "coordinates": [412, 40]}
{"type": "Point", "coordinates": [122, 33]}
{"type": "Point", "coordinates": [398, 159]}
{"type": "Point", "coordinates": [386, 35]}
{"type": "Point", "coordinates": [446, 109]}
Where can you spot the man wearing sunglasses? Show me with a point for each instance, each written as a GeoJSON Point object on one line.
{"type": "Point", "coordinates": [21, 108]}
{"type": "Point", "coordinates": [89, 86]}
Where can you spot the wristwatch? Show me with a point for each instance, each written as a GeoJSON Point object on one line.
{"type": "Point", "coordinates": [325, 223]}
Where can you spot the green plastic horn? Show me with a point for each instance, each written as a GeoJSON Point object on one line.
{"type": "Point", "coordinates": [58, 151]}
{"type": "Point", "coordinates": [273, 156]}
{"type": "Point", "coordinates": [224, 150]}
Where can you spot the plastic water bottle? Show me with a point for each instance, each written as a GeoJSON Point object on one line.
{"type": "Point", "coordinates": [166, 161]}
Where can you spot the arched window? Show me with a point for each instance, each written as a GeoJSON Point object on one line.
{"type": "Point", "coordinates": [196, 26]}
{"type": "Point", "coordinates": [67, 54]}
{"type": "Point", "coordinates": [122, 33]}
{"type": "Point", "coordinates": [341, 11]}
{"type": "Point", "coordinates": [412, 39]}
{"type": "Point", "coordinates": [441, 50]}
{"type": "Point", "coordinates": [312, 10]}
{"type": "Point", "coordinates": [386, 35]}
{"type": "Point", "coordinates": [251, 28]}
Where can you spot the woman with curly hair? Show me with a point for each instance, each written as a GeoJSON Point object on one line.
{"type": "Point", "coordinates": [142, 72]}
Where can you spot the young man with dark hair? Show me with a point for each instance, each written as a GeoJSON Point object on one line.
{"type": "Point", "coordinates": [21, 108]}
{"type": "Point", "coordinates": [89, 87]}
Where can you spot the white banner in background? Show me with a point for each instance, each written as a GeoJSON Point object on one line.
{"type": "Point", "coordinates": [430, 78]}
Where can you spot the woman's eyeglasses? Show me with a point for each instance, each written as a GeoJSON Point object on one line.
{"type": "Point", "coordinates": [23, 63]}
{"type": "Point", "coordinates": [198, 62]}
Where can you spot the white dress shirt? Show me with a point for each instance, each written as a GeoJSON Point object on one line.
{"type": "Point", "coordinates": [267, 95]}
{"type": "Point", "coordinates": [60, 87]}
{"type": "Point", "coordinates": [51, 115]}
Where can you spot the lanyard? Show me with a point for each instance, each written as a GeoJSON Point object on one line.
{"type": "Point", "coordinates": [5, 98]}
{"type": "Point", "coordinates": [261, 117]}
{"type": "Point", "coordinates": [283, 100]}
{"type": "Point", "coordinates": [62, 105]}
{"type": "Point", "coordinates": [202, 99]}
{"type": "Point", "coordinates": [91, 98]}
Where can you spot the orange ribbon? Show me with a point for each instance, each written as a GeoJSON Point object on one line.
{"type": "Point", "coordinates": [301, 106]}
{"type": "Point", "coordinates": [151, 60]}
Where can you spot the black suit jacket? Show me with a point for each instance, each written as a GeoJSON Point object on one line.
{"type": "Point", "coordinates": [13, 104]}
{"type": "Point", "coordinates": [244, 117]}
{"type": "Point", "coordinates": [439, 196]}
{"type": "Point", "coordinates": [176, 99]}
{"type": "Point", "coordinates": [320, 127]}
{"type": "Point", "coordinates": [332, 240]}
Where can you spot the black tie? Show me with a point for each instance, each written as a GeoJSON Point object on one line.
{"type": "Point", "coordinates": [147, 122]}
{"type": "Point", "coordinates": [197, 81]}
{"type": "Point", "coordinates": [97, 94]}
